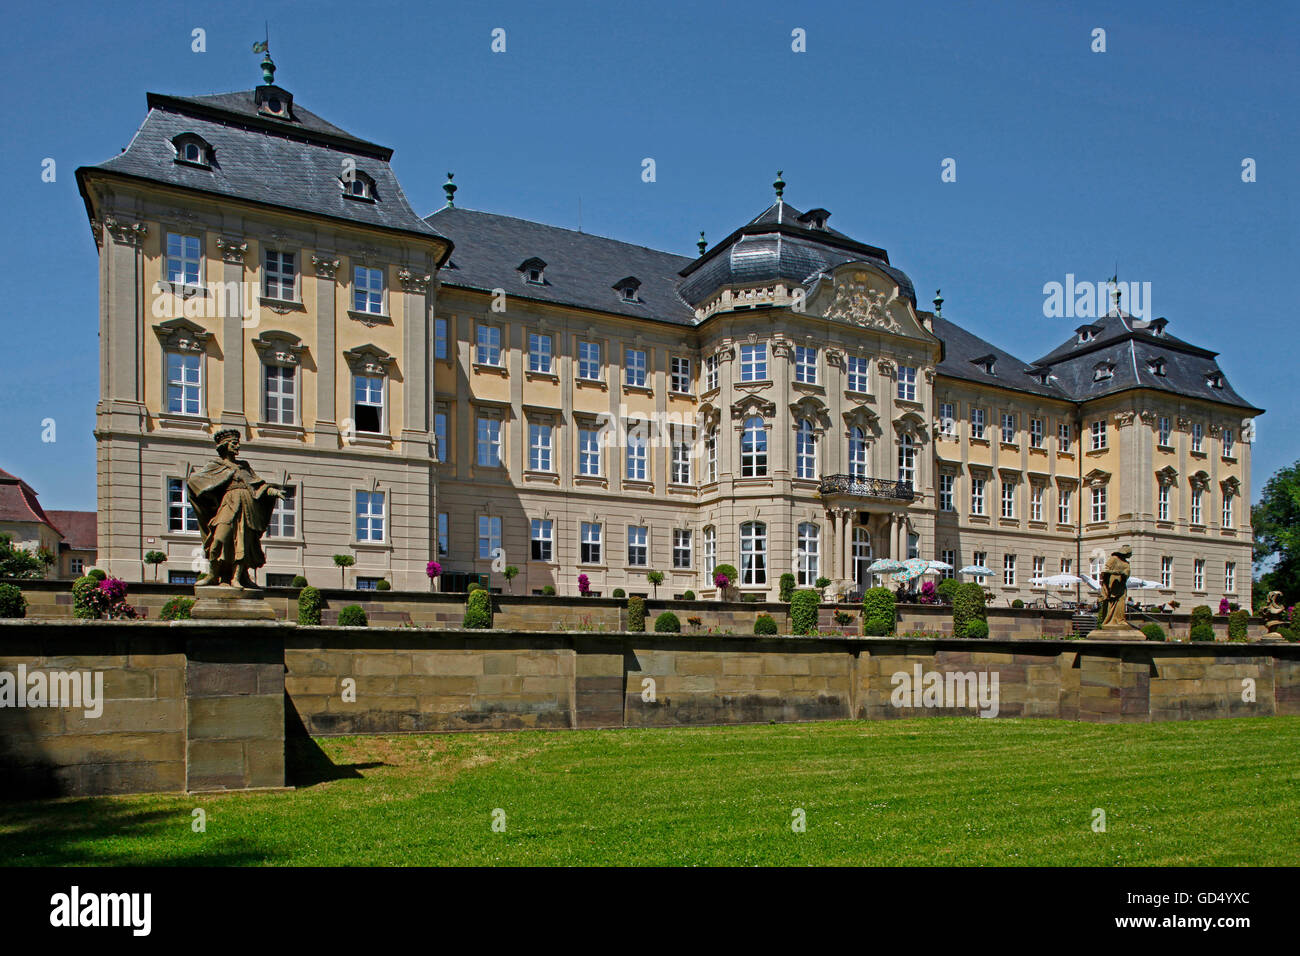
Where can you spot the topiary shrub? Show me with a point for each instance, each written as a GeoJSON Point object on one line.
{"type": "Point", "coordinates": [97, 574]}
{"type": "Point", "coordinates": [765, 624]}
{"type": "Point", "coordinates": [636, 614]}
{"type": "Point", "coordinates": [473, 586]}
{"type": "Point", "coordinates": [879, 613]}
{"type": "Point", "coordinates": [1201, 614]}
{"type": "Point", "coordinates": [12, 602]}
{"type": "Point", "coordinates": [383, 585]}
{"type": "Point", "coordinates": [803, 611]}
{"type": "Point", "coordinates": [1154, 632]}
{"type": "Point", "coordinates": [1202, 632]}
{"type": "Point", "coordinates": [177, 609]}
{"type": "Point", "coordinates": [786, 590]}
{"type": "Point", "coordinates": [1017, 603]}
{"type": "Point", "coordinates": [976, 627]}
{"type": "Point", "coordinates": [728, 573]}
{"type": "Point", "coordinates": [478, 610]}
{"type": "Point", "coordinates": [667, 623]}
{"type": "Point", "coordinates": [967, 606]}
{"type": "Point", "coordinates": [353, 616]}
{"type": "Point", "coordinates": [298, 581]}
{"type": "Point", "coordinates": [309, 605]}
{"type": "Point", "coordinates": [619, 593]}
{"type": "Point", "coordinates": [548, 590]}
{"type": "Point", "coordinates": [81, 600]}
{"type": "Point", "coordinates": [688, 596]}
{"type": "Point", "coordinates": [946, 589]}
{"type": "Point", "coordinates": [1238, 624]}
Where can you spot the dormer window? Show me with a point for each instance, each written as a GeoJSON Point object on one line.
{"type": "Point", "coordinates": [1156, 366]}
{"type": "Point", "coordinates": [815, 218]}
{"type": "Point", "coordinates": [193, 150]}
{"type": "Point", "coordinates": [1214, 380]}
{"type": "Point", "coordinates": [627, 288]}
{"type": "Point", "coordinates": [534, 270]}
{"type": "Point", "coordinates": [358, 185]}
{"type": "Point", "coordinates": [1087, 333]}
{"type": "Point", "coordinates": [1157, 326]}
{"type": "Point", "coordinates": [1040, 375]}
{"type": "Point", "coordinates": [986, 362]}
{"type": "Point", "coordinates": [273, 101]}
{"type": "Point", "coordinates": [1102, 371]}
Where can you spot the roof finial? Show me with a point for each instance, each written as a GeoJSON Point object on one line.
{"type": "Point", "coordinates": [701, 244]}
{"type": "Point", "coordinates": [779, 186]}
{"type": "Point", "coordinates": [268, 65]}
{"type": "Point", "coordinates": [938, 302]}
{"type": "Point", "coordinates": [1113, 282]}
{"type": "Point", "coordinates": [450, 189]}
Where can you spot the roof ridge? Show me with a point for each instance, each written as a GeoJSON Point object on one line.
{"type": "Point", "coordinates": [545, 225]}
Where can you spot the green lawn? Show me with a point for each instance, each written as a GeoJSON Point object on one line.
{"type": "Point", "coordinates": [934, 791]}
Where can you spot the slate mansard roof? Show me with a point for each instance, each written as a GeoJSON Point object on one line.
{"type": "Point", "coordinates": [289, 163]}
{"type": "Point", "coordinates": [966, 356]}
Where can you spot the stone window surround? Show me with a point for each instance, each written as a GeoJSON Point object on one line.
{"type": "Point", "coordinates": [385, 543]}
{"type": "Point", "coordinates": [181, 336]}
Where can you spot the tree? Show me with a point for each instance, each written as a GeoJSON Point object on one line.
{"type": "Point", "coordinates": [1276, 520]}
{"type": "Point", "coordinates": [18, 562]}
{"type": "Point", "coordinates": [509, 574]}
{"type": "Point", "coordinates": [344, 561]}
{"type": "Point", "coordinates": [655, 578]}
{"type": "Point", "coordinates": [155, 558]}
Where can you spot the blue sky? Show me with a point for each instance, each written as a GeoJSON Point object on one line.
{"type": "Point", "coordinates": [1068, 161]}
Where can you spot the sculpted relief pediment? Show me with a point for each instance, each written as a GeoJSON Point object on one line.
{"type": "Point", "coordinates": [860, 294]}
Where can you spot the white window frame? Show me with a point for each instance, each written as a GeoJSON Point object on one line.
{"type": "Point", "coordinates": [541, 353]}
{"type": "Point", "coordinates": [1009, 570]}
{"type": "Point", "coordinates": [1164, 432]}
{"type": "Point", "coordinates": [369, 523]}
{"type": "Point", "coordinates": [280, 275]}
{"type": "Point", "coordinates": [638, 546]}
{"type": "Point", "coordinates": [1064, 441]}
{"type": "Point", "coordinates": [284, 513]}
{"type": "Point", "coordinates": [1230, 577]}
{"type": "Point", "coordinates": [589, 456]}
{"type": "Point", "coordinates": [709, 546]}
{"type": "Point", "coordinates": [489, 536]}
{"type": "Point", "coordinates": [978, 424]}
{"type": "Point", "coordinates": [710, 372]}
{"type": "Point", "coordinates": [1008, 499]}
{"type": "Point", "coordinates": [906, 383]}
{"type": "Point", "coordinates": [1063, 501]}
{"type": "Point", "coordinates": [1098, 431]}
{"type": "Point", "coordinates": [1099, 504]}
{"type": "Point", "coordinates": [947, 486]}
{"type": "Point", "coordinates": [683, 548]}
{"type": "Point", "coordinates": [805, 364]}
{"type": "Point", "coordinates": [977, 502]}
{"type": "Point", "coordinates": [637, 457]}
{"type": "Point", "coordinates": [679, 377]}
{"type": "Point", "coordinates": [1036, 432]}
{"type": "Point", "coordinates": [540, 457]}
{"type": "Point", "coordinates": [1198, 510]}
{"type": "Point", "coordinates": [364, 389]}
{"type": "Point", "coordinates": [184, 384]}
{"type": "Point", "coordinates": [1162, 502]}
{"type": "Point", "coordinates": [753, 448]}
{"type": "Point", "coordinates": [181, 518]}
{"type": "Point", "coordinates": [805, 449]}
{"type": "Point", "coordinates": [366, 297]}
{"type": "Point", "coordinates": [1037, 571]}
{"type": "Point", "coordinates": [753, 362]}
{"type": "Point", "coordinates": [591, 543]}
{"type": "Point", "coordinates": [1198, 437]}
{"type": "Point", "coordinates": [808, 569]}
{"type": "Point", "coordinates": [1166, 571]}
{"type": "Point", "coordinates": [753, 553]}
{"type": "Point", "coordinates": [487, 441]}
{"type": "Point", "coordinates": [176, 265]}
{"type": "Point", "coordinates": [589, 367]}
{"type": "Point", "coordinates": [277, 399]}
{"type": "Point", "coordinates": [440, 338]}
{"type": "Point", "coordinates": [679, 469]}
{"type": "Point", "coordinates": [1036, 494]}
{"type": "Point", "coordinates": [907, 459]}
{"type": "Point", "coordinates": [1009, 429]}
{"type": "Point", "coordinates": [487, 345]}
{"type": "Point", "coordinates": [636, 368]}
{"type": "Point", "coordinates": [541, 538]}
{"type": "Point", "coordinates": [858, 370]}
{"type": "Point", "coordinates": [948, 419]}
{"type": "Point", "coordinates": [1198, 574]}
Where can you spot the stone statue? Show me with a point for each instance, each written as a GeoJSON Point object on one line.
{"type": "Point", "coordinates": [234, 507]}
{"type": "Point", "coordinates": [1274, 615]}
{"type": "Point", "coordinates": [1112, 619]}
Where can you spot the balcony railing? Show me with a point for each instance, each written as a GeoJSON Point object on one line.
{"type": "Point", "coordinates": [866, 487]}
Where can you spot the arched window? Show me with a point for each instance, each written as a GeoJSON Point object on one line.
{"type": "Point", "coordinates": [753, 553]}
{"type": "Point", "coordinates": [805, 450]}
{"type": "Point", "coordinates": [753, 449]}
{"type": "Point", "coordinates": [192, 149]}
{"type": "Point", "coordinates": [862, 557]}
{"type": "Point", "coordinates": [809, 567]}
{"type": "Point", "coordinates": [907, 459]}
{"type": "Point", "coordinates": [858, 453]}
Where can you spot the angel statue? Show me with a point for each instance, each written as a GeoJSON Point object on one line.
{"type": "Point", "coordinates": [233, 506]}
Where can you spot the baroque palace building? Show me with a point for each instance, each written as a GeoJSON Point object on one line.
{"type": "Point", "coordinates": [491, 391]}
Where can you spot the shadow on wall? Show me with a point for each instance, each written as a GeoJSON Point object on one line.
{"type": "Point", "coordinates": [26, 773]}
{"type": "Point", "coordinates": [305, 763]}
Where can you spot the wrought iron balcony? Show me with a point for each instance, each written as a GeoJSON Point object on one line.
{"type": "Point", "coordinates": [866, 487]}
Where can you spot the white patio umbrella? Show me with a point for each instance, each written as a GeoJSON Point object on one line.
{"type": "Point", "coordinates": [974, 569]}
{"type": "Point", "coordinates": [1143, 583]}
{"type": "Point", "coordinates": [933, 567]}
{"type": "Point", "coordinates": [1066, 580]}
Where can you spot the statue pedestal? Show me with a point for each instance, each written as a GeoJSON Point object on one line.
{"type": "Point", "coordinates": [1111, 632]}
{"type": "Point", "coordinates": [231, 603]}
{"type": "Point", "coordinates": [1272, 637]}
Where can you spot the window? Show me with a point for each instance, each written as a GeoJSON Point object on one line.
{"type": "Point", "coordinates": [980, 558]}
{"type": "Point", "coordinates": [1227, 443]}
{"type": "Point", "coordinates": [488, 348]}
{"type": "Point", "coordinates": [1166, 572]}
{"type": "Point", "coordinates": [1094, 569]}
{"type": "Point", "coordinates": [367, 584]}
{"type": "Point", "coordinates": [753, 553]}
{"type": "Point", "coordinates": [1035, 433]}
{"type": "Point", "coordinates": [489, 442]}
{"type": "Point", "coordinates": [753, 449]}
{"type": "Point", "coordinates": [1227, 509]}
{"type": "Point", "coordinates": [1164, 431]}
{"type": "Point", "coordinates": [805, 450]}
{"type": "Point", "coordinates": [945, 492]}
{"type": "Point", "coordinates": [590, 543]}
{"type": "Point", "coordinates": [805, 364]}
{"type": "Point", "coordinates": [284, 517]}
{"type": "Point", "coordinates": [753, 363]}
{"type": "Point", "coordinates": [190, 149]}
{"type": "Point", "coordinates": [977, 423]}
{"type": "Point", "coordinates": [1035, 502]}
{"type": "Point", "coordinates": [679, 375]}
{"type": "Point", "coordinates": [368, 290]}
{"type": "Point", "coordinates": [681, 548]}
{"type": "Point", "coordinates": [634, 368]}
{"type": "Point", "coordinates": [1099, 434]}
{"type": "Point", "coordinates": [1198, 574]}
{"type": "Point", "coordinates": [1036, 575]}
{"type": "Point", "coordinates": [1099, 503]}
{"type": "Point", "coordinates": [858, 370]}
{"type": "Point", "coordinates": [280, 394]}
{"type": "Point", "coordinates": [489, 536]}
{"type": "Point", "coordinates": [1063, 437]}
{"type": "Point", "coordinates": [1197, 516]}
{"type": "Point", "coordinates": [588, 452]}
{"type": "Point", "coordinates": [1008, 499]}
{"type": "Point", "coordinates": [184, 259]}
{"type": "Point", "coordinates": [1197, 436]}
{"type": "Point", "coordinates": [947, 419]}
{"type": "Point", "coordinates": [77, 566]}
{"type": "Point", "coordinates": [358, 185]}
{"type": "Point", "coordinates": [913, 545]}
{"type": "Point", "coordinates": [589, 361]}
{"type": "Point", "coordinates": [977, 496]}
{"type": "Point", "coordinates": [1009, 570]}
{"type": "Point", "coordinates": [710, 373]}
{"type": "Point", "coordinates": [181, 518]}
{"type": "Point", "coordinates": [1008, 429]}
{"type": "Point", "coordinates": [711, 455]}
{"type": "Point", "coordinates": [907, 383]}
{"type": "Point", "coordinates": [858, 453]}
{"type": "Point", "coordinates": [636, 457]}
{"type": "Point", "coordinates": [443, 541]}
{"type": "Point", "coordinates": [543, 532]}
{"type": "Point", "coordinates": [948, 556]}
{"type": "Point", "coordinates": [182, 577]}
{"type": "Point", "coordinates": [368, 403]}
{"type": "Point", "coordinates": [184, 383]}
{"type": "Point", "coordinates": [539, 352]}
{"type": "Point", "coordinates": [1230, 576]}
{"type": "Point", "coordinates": [370, 515]}
{"type": "Point", "coordinates": [440, 338]}
{"type": "Point", "coordinates": [279, 280]}
{"type": "Point", "coordinates": [440, 446]}
{"type": "Point", "coordinates": [1067, 567]}
{"type": "Point", "coordinates": [680, 470]}
{"type": "Point", "coordinates": [710, 551]}
{"type": "Point", "coordinates": [906, 459]}
{"type": "Point", "coordinates": [1063, 496]}
{"type": "Point", "coordinates": [1162, 503]}
{"type": "Point", "coordinates": [638, 550]}
{"type": "Point", "coordinates": [809, 555]}
{"type": "Point", "coordinates": [539, 447]}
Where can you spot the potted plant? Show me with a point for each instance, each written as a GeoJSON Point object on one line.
{"type": "Point", "coordinates": [434, 570]}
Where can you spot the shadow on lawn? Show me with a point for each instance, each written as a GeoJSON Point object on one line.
{"type": "Point", "coordinates": [305, 763]}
